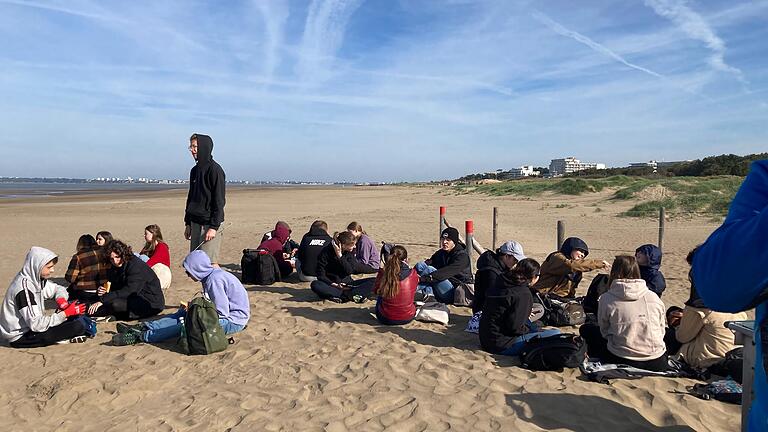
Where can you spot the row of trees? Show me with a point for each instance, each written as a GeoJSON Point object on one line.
{"type": "Point", "coordinates": [728, 164]}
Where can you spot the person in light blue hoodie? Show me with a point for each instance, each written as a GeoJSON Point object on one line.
{"type": "Point", "coordinates": [729, 272]}
{"type": "Point", "coordinates": [222, 288]}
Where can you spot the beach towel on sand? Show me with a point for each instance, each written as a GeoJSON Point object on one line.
{"type": "Point", "coordinates": [604, 373]}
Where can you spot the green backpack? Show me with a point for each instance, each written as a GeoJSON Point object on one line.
{"type": "Point", "coordinates": [201, 332]}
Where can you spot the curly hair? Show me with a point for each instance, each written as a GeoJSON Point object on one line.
{"type": "Point", "coordinates": [121, 249]}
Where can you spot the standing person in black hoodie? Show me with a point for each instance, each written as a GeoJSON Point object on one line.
{"type": "Point", "coordinates": [448, 267]}
{"type": "Point", "coordinates": [649, 259]}
{"type": "Point", "coordinates": [505, 327]}
{"type": "Point", "coordinates": [134, 290]}
{"type": "Point", "coordinates": [491, 265]}
{"type": "Point", "coordinates": [335, 267]}
{"type": "Point", "coordinates": [311, 245]}
{"type": "Point", "coordinates": [204, 213]}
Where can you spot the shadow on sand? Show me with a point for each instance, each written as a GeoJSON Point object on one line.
{"type": "Point", "coordinates": [548, 411]}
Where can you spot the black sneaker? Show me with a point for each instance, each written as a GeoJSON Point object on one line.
{"type": "Point", "coordinates": [123, 339]}
{"type": "Point", "coordinates": [128, 328]}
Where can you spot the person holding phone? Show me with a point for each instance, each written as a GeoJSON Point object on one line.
{"type": "Point", "coordinates": [335, 267]}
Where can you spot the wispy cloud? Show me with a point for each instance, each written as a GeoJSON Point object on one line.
{"type": "Point", "coordinates": [696, 27]}
{"type": "Point", "coordinates": [323, 34]}
{"type": "Point", "coordinates": [559, 29]}
{"type": "Point", "coordinates": [275, 14]}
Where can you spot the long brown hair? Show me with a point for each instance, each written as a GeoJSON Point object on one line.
{"type": "Point", "coordinates": [86, 242]}
{"type": "Point", "coordinates": [157, 237]}
{"type": "Point", "coordinates": [624, 267]}
{"type": "Point", "coordinates": [390, 275]}
{"type": "Point", "coordinates": [354, 226]}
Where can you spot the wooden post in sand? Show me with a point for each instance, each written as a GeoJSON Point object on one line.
{"type": "Point", "coordinates": [440, 225]}
{"type": "Point", "coordinates": [469, 228]}
{"type": "Point", "coordinates": [560, 233]}
{"type": "Point", "coordinates": [662, 223]}
{"type": "Point", "coordinates": [495, 226]}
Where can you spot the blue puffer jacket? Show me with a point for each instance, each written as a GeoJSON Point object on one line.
{"type": "Point", "coordinates": [730, 273]}
{"type": "Point", "coordinates": [651, 273]}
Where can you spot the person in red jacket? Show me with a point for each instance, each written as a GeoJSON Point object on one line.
{"type": "Point", "coordinates": [158, 253]}
{"type": "Point", "coordinates": [275, 244]}
{"type": "Point", "coordinates": [396, 285]}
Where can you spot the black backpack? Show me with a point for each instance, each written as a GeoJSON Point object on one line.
{"type": "Point", "coordinates": [560, 312]}
{"type": "Point", "coordinates": [259, 267]}
{"type": "Point", "coordinates": [554, 353]}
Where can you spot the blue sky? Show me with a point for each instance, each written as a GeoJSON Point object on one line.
{"type": "Point", "coordinates": [376, 90]}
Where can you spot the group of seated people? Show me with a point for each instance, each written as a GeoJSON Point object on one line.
{"type": "Point", "coordinates": [108, 281]}
{"type": "Point", "coordinates": [630, 326]}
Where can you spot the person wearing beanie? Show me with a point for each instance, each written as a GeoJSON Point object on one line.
{"type": "Point", "coordinates": [448, 267]}
{"type": "Point", "coordinates": [491, 265]}
{"type": "Point", "coordinates": [562, 270]}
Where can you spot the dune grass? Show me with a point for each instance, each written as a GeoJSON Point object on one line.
{"type": "Point", "coordinates": [681, 195]}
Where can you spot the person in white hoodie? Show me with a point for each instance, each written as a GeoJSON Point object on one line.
{"type": "Point", "coordinates": [631, 321]}
{"type": "Point", "coordinates": [23, 322]}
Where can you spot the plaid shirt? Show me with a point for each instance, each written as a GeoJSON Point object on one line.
{"type": "Point", "coordinates": [87, 271]}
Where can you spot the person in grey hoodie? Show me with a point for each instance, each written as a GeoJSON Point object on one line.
{"type": "Point", "coordinates": [221, 287]}
{"type": "Point", "coordinates": [631, 321]}
{"type": "Point", "coordinates": [23, 322]}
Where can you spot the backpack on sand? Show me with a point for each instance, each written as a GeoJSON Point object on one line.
{"type": "Point", "coordinates": [202, 334]}
{"type": "Point", "coordinates": [554, 353]}
{"type": "Point", "coordinates": [259, 267]}
{"type": "Point", "coordinates": [560, 312]}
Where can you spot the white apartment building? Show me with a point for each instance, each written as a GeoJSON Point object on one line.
{"type": "Point", "coordinates": [523, 171]}
{"type": "Point", "coordinates": [559, 167]}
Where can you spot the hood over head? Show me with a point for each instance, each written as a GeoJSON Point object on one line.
{"type": "Point", "coordinates": [36, 259]}
{"type": "Point", "coordinates": [204, 149]}
{"type": "Point", "coordinates": [653, 253]}
{"type": "Point", "coordinates": [572, 243]}
{"type": "Point", "coordinates": [629, 289]}
{"type": "Point", "coordinates": [281, 233]}
{"type": "Point", "coordinates": [198, 264]}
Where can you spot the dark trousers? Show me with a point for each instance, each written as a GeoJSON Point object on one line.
{"type": "Point", "coordinates": [67, 330]}
{"type": "Point", "coordinates": [82, 296]}
{"type": "Point", "coordinates": [285, 268]}
{"type": "Point", "coordinates": [597, 346]}
{"type": "Point", "coordinates": [670, 340]}
{"type": "Point", "coordinates": [363, 287]}
{"type": "Point", "coordinates": [132, 308]}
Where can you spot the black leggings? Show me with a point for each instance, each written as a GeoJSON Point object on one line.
{"type": "Point", "coordinates": [132, 308]}
{"type": "Point", "coordinates": [597, 346]}
{"type": "Point", "coordinates": [67, 330]}
{"type": "Point", "coordinates": [363, 287]}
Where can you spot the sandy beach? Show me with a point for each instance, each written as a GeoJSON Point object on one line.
{"type": "Point", "coordinates": [303, 364]}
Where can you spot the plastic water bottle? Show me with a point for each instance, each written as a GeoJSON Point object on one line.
{"type": "Point", "coordinates": [183, 328]}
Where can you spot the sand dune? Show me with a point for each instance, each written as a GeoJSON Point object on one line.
{"type": "Point", "coordinates": [308, 365]}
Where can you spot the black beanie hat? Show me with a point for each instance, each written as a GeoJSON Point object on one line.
{"type": "Point", "coordinates": [451, 233]}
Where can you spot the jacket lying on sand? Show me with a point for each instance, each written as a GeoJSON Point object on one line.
{"type": "Point", "coordinates": [221, 287]}
{"type": "Point", "coordinates": [23, 308]}
{"type": "Point", "coordinates": [729, 271]}
{"type": "Point", "coordinates": [560, 275]}
{"type": "Point", "coordinates": [207, 186]}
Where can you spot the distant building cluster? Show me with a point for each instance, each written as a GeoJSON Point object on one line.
{"type": "Point", "coordinates": [569, 165]}
{"type": "Point", "coordinates": [132, 180]}
{"type": "Point", "coordinates": [655, 165]}
{"type": "Point", "coordinates": [523, 171]}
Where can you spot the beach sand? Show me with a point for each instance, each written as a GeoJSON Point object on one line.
{"type": "Point", "coordinates": [307, 365]}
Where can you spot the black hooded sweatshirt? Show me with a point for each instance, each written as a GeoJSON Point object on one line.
{"type": "Point", "coordinates": [489, 268]}
{"type": "Point", "coordinates": [311, 245]}
{"type": "Point", "coordinates": [651, 273]}
{"type": "Point", "coordinates": [207, 186]}
{"type": "Point", "coordinates": [332, 269]}
{"type": "Point", "coordinates": [505, 316]}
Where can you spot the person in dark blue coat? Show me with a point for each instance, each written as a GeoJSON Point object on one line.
{"type": "Point", "coordinates": [730, 274]}
{"type": "Point", "coordinates": [649, 259]}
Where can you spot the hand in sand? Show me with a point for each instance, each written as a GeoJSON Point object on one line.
{"type": "Point", "coordinates": [210, 234]}
{"type": "Point", "coordinates": [94, 307]}
{"type": "Point", "coordinates": [188, 232]}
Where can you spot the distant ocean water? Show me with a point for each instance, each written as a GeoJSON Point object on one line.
{"type": "Point", "coordinates": [42, 190]}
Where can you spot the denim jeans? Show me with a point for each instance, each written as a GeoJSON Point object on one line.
{"type": "Point", "coordinates": [519, 343]}
{"type": "Point", "coordinates": [442, 290]}
{"type": "Point", "coordinates": [169, 327]}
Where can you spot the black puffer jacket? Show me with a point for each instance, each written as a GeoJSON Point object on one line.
{"type": "Point", "coordinates": [207, 187]}
{"type": "Point", "coordinates": [453, 266]}
{"type": "Point", "coordinates": [489, 268]}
